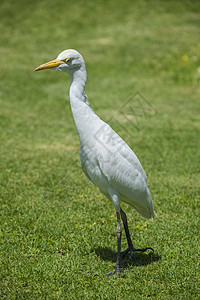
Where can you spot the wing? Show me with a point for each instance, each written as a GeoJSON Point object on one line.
{"type": "Point", "coordinates": [108, 143]}
{"type": "Point", "coordinates": [109, 162]}
{"type": "Point", "coordinates": [125, 174]}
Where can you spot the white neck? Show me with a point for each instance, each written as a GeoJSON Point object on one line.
{"type": "Point", "coordinates": [78, 81]}
{"type": "Point", "coordinates": [82, 113]}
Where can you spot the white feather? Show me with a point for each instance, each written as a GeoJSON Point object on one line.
{"type": "Point", "coordinates": [105, 158]}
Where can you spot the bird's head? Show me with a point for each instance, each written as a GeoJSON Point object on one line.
{"type": "Point", "coordinates": [67, 61]}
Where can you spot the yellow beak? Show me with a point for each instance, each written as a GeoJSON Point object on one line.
{"type": "Point", "coordinates": [49, 65]}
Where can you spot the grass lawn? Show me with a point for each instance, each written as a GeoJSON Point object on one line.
{"type": "Point", "coordinates": [55, 226]}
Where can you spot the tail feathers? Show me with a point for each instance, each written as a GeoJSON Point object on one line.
{"type": "Point", "coordinates": [146, 212]}
{"type": "Point", "coordinates": [146, 208]}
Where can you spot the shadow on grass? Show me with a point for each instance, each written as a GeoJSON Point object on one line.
{"type": "Point", "coordinates": [138, 259]}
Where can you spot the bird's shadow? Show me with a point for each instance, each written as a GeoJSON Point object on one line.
{"type": "Point", "coordinates": [138, 258]}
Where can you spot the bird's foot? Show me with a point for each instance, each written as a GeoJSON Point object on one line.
{"type": "Point", "coordinates": [116, 271]}
{"type": "Point", "coordinates": [132, 249]}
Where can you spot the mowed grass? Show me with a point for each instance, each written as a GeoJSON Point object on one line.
{"type": "Point", "coordinates": [55, 225]}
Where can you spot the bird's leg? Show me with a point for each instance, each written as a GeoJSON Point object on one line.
{"type": "Point", "coordinates": [128, 237]}
{"type": "Point", "coordinates": [130, 248]}
{"type": "Point", "coordinates": [119, 235]}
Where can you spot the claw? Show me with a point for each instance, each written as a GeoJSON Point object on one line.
{"type": "Point", "coordinates": [143, 249]}
{"type": "Point", "coordinates": [125, 252]}
{"type": "Point", "coordinates": [116, 271]}
{"type": "Point", "coordinates": [131, 250]}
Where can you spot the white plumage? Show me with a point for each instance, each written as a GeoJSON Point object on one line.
{"type": "Point", "coordinates": [105, 158]}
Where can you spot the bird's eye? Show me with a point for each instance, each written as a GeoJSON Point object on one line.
{"type": "Point", "coordinates": [68, 60]}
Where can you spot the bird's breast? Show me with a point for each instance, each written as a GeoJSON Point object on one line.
{"type": "Point", "coordinates": [90, 162]}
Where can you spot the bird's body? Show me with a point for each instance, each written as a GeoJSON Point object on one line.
{"type": "Point", "coordinates": [105, 158]}
{"type": "Point", "coordinates": [109, 163]}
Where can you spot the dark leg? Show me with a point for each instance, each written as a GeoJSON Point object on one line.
{"type": "Point", "coordinates": [119, 235]}
{"type": "Point", "coordinates": [130, 249]}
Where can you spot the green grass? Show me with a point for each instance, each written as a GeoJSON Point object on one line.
{"type": "Point", "coordinates": [55, 225]}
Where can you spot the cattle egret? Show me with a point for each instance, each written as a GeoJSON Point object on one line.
{"type": "Point", "coordinates": [106, 159]}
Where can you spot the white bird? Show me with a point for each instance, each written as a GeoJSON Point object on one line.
{"type": "Point", "coordinates": [106, 159]}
